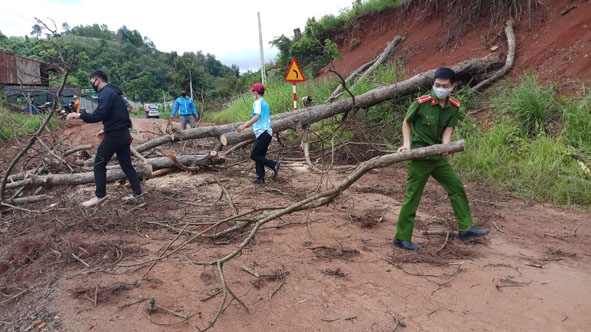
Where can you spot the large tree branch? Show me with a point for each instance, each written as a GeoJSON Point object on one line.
{"type": "Point", "coordinates": [328, 196]}
{"type": "Point", "coordinates": [508, 63]}
{"type": "Point", "coordinates": [309, 115]}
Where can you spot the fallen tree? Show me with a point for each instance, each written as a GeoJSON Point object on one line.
{"type": "Point", "coordinates": [144, 172]}
{"type": "Point", "coordinates": [300, 119]}
{"type": "Point", "coordinates": [468, 69]}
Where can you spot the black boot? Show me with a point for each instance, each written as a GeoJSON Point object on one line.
{"type": "Point", "coordinates": [472, 232]}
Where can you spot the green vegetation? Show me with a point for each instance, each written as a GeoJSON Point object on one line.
{"type": "Point", "coordinates": [13, 124]}
{"type": "Point", "coordinates": [131, 61]}
{"type": "Point", "coordinates": [524, 153]}
{"type": "Point", "coordinates": [533, 106]}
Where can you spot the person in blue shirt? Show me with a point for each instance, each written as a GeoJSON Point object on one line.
{"type": "Point", "coordinates": [187, 110]}
{"type": "Point", "coordinates": [261, 125]}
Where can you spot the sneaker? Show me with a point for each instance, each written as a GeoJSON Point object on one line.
{"type": "Point", "coordinates": [94, 201]}
{"type": "Point", "coordinates": [257, 180]}
{"type": "Point", "coordinates": [276, 169]}
{"type": "Point", "coordinates": [472, 232]}
{"type": "Point", "coordinates": [405, 244]}
{"type": "Point", "coordinates": [132, 198]}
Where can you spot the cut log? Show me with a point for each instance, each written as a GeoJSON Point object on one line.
{"type": "Point", "coordinates": [210, 159]}
{"type": "Point", "coordinates": [143, 171]}
{"type": "Point", "coordinates": [114, 173]}
{"type": "Point", "coordinates": [29, 199]}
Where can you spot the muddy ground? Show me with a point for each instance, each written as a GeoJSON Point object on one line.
{"type": "Point", "coordinates": [328, 269]}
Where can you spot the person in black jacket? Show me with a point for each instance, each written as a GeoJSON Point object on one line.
{"type": "Point", "coordinates": [116, 138]}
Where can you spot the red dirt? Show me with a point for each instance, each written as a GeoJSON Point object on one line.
{"type": "Point", "coordinates": [554, 42]}
{"type": "Point", "coordinates": [329, 269]}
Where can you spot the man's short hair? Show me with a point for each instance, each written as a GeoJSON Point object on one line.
{"type": "Point", "coordinates": [100, 74]}
{"type": "Point", "coordinates": [445, 74]}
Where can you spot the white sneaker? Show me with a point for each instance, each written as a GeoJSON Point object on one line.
{"type": "Point", "coordinates": [94, 201]}
{"type": "Point", "coordinates": [132, 198]}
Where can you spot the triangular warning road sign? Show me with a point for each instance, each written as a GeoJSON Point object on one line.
{"type": "Point", "coordinates": [294, 73]}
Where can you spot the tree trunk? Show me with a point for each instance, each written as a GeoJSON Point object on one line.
{"type": "Point", "coordinates": [294, 120]}
{"type": "Point", "coordinates": [143, 171]}
{"type": "Point", "coordinates": [392, 46]}
{"type": "Point", "coordinates": [307, 116]}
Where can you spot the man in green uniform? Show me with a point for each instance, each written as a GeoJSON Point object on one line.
{"type": "Point", "coordinates": [430, 120]}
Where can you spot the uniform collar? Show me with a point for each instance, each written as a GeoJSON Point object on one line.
{"type": "Point", "coordinates": [435, 100]}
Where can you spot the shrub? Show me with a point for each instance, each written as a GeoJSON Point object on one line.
{"type": "Point", "coordinates": [533, 106]}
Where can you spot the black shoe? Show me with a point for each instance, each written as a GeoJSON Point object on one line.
{"type": "Point", "coordinates": [276, 169]}
{"type": "Point", "coordinates": [257, 180]}
{"type": "Point", "coordinates": [472, 232]}
{"type": "Point", "coordinates": [405, 244]}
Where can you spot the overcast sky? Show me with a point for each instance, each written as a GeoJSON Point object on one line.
{"type": "Point", "coordinates": [226, 29]}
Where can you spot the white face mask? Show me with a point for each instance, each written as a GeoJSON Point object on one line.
{"type": "Point", "coordinates": [442, 93]}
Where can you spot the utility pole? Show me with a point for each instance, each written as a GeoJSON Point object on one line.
{"type": "Point", "coordinates": [191, 84]}
{"type": "Point", "coordinates": [263, 75]}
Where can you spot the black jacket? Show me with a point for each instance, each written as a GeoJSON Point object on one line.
{"type": "Point", "coordinates": [111, 110]}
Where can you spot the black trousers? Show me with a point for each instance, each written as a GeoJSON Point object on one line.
{"type": "Point", "coordinates": [115, 143]}
{"type": "Point", "coordinates": [259, 153]}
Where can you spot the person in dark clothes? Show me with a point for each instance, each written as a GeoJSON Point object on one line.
{"type": "Point", "coordinates": [116, 138]}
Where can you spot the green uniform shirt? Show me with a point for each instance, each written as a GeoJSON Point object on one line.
{"type": "Point", "coordinates": [429, 120]}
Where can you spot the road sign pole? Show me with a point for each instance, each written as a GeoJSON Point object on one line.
{"type": "Point", "coordinates": [295, 98]}
{"type": "Point", "coordinates": [294, 74]}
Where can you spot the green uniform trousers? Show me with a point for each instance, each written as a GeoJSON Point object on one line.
{"type": "Point", "coordinates": [418, 174]}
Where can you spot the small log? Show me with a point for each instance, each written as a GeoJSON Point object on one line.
{"type": "Point", "coordinates": [209, 159]}
{"type": "Point", "coordinates": [28, 199]}
{"type": "Point", "coordinates": [76, 149]}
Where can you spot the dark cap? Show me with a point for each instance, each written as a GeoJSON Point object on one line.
{"type": "Point", "coordinates": [258, 87]}
{"type": "Point", "coordinates": [446, 74]}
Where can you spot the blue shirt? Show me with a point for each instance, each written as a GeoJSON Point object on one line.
{"type": "Point", "coordinates": [262, 109]}
{"type": "Point", "coordinates": [185, 106]}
